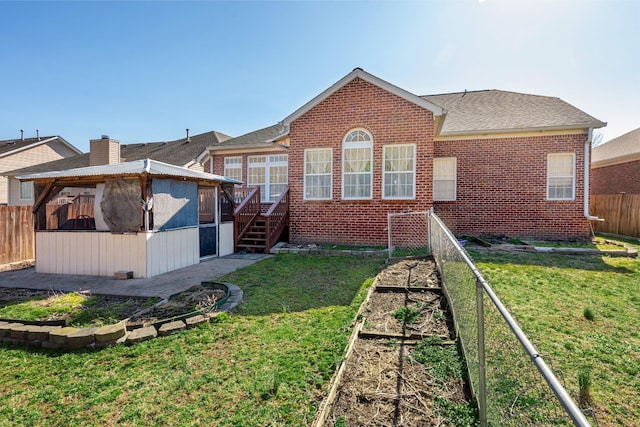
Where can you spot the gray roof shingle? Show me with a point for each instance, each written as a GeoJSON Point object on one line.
{"type": "Point", "coordinates": [497, 111]}
{"type": "Point", "coordinates": [10, 145]}
{"type": "Point", "coordinates": [618, 150]}
{"type": "Point", "coordinates": [178, 152]}
{"type": "Point", "coordinates": [256, 139]}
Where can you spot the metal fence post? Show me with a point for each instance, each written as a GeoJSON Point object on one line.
{"type": "Point", "coordinates": [482, 381]}
{"type": "Point", "coordinates": [389, 242]}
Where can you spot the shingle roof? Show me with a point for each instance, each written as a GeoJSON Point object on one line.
{"type": "Point", "coordinates": [256, 139]}
{"type": "Point", "coordinates": [619, 150]}
{"type": "Point", "coordinates": [496, 111]}
{"type": "Point", "coordinates": [136, 167]}
{"type": "Point", "coordinates": [178, 152]}
{"type": "Point", "coordinates": [10, 145]}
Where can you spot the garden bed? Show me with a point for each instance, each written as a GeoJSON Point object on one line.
{"type": "Point", "coordinates": [84, 309]}
{"type": "Point", "coordinates": [402, 366]}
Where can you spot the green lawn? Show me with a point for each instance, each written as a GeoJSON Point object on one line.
{"type": "Point", "coordinates": [268, 364]}
{"type": "Point", "coordinates": [584, 312]}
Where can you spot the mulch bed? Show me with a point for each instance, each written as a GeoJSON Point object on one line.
{"type": "Point", "coordinates": [195, 298]}
{"type": "Point", "coordinates": [382, 306]}
{"type": "Point", "coordinates": [382, 384]}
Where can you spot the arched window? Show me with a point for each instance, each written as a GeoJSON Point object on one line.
{"type": "Point", "coordinates": [357, 158]}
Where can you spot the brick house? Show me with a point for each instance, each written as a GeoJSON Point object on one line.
{"type": "Point", "coordinates": [615, 165]}
{"type": "Point", "coordinates": [488, 162]}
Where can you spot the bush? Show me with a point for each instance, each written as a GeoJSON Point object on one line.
{"type": "Point", "coordinates": [588, 314]}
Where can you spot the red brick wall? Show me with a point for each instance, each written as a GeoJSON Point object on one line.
{"type": "Point", "coordinates": [390, 120]}
{"type": "Point", "coordinates": [218, 164]}
{"type": "Point", "coordinates": [615, 179]}
{"type": "Point", "coordinates": [501, 188]}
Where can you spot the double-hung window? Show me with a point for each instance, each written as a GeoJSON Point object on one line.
{"type": "Point", "coordinates": [561, 176]}
{"type": "Point", "coordinates": [357, 158]}
{"type": "Point", "coordinates": [444, 179]}
{"type": "Point", "coordinates": [233, 167]}
{"type": "Point", "coordinates": [399, 171]}
{"type": "Point", "coordinates": [318, 173]}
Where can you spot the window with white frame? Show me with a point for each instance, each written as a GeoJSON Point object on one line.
{"type": "Point", "coordinates": [561, 176]}
{"type": "Point", "coordinates": [26, 190]}
{"type": "Point", "coordinates": [278, 177]}
{"type": "Point", "coordinates": [269, 173]}
{"type": "Point", "coordinates": [357, 158]}
{"type": "Point", "coordinates": [399, 171]}
{"type": "Point", "coordinates": [233, 167]}
{"type": "Point", "coordinates": [317, 173]}
{"type": "Point", "coordinates": [444, 179]}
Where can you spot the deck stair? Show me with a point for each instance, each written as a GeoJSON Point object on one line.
{"type": "Point", "coordinates": [255, 239]}
{"type": "Point", "coordinates": [258, 226]}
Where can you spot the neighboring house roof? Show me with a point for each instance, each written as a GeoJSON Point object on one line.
{"type": "Point", "coordinates": [360, 73]}
{"type": "Point", "coordinates": [497, 111]}
{"type": "Point", "coordinates": [12, 146]}
{"type": "Point", "coordinates": [625, 148]}
{"type": "Point", "coordinates": [136, 167]}
{"type": "Point", "coordinates": [262, 138]}
{"type": "Point", "coordinates": [178, 152]}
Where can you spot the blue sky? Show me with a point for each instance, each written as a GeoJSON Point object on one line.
{"type": "Point", "coordinates": [145, 71]}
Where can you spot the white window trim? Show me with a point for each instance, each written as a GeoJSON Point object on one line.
{"type": "Point", "coordinates": [384, 172]}
{"type": "Point", "coordinates": [233, 165]}
{"type": "Point", "coordinates": [573, 176]}
{"type": "Point", "coordinates": [356, 145]}
{"type": "Point", "coordinates": [455, 179]}
{"type": "Point", "coordinates": [304, 185]}
{"type": "Point", "coordinates": [268, 163]}
{"type": "Point", "coordinates": [20, 184]}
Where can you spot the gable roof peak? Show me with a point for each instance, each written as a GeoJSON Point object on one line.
{"type": "Point", "coordinates": [370, 78]}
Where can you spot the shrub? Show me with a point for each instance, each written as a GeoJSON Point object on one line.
{"type": "Point", "coordinates": [588, 314]}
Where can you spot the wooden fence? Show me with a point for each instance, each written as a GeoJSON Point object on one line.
{"type": "Point", "coordinates": [16, 234]}
{"type": "Point", "coordinates": [621, 213]}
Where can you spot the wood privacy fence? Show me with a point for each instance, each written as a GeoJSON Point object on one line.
{"type": "Point", "coordinates": [16, 234]}
{"type": "Point", "coordinates": [621, 213]}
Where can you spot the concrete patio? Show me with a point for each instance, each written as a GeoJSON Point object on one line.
{"type": "Point", "coordinates": [162, 286]}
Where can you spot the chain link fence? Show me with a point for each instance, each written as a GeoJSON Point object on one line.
{"type": "Point", "coordinates": [512, 383]}
{"type": "Point", "coordinates": [408, 234]}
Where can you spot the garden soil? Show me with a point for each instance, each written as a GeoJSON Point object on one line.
{"type": "Point", "coordinates": [382, 384]}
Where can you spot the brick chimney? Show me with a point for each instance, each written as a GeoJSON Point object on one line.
{"type": "Point", "coordinates": [104, 151]}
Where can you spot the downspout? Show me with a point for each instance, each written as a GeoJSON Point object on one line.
{"type": "Point", "coordinates": [587, 167]}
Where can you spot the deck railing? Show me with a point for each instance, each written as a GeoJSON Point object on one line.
{"type": "Point", "coordinates": [245, 214]}
{"type": "Point", "coordinates": [276, 218]}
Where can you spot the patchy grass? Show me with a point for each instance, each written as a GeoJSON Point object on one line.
{"type": "Point", "coordinates": [549, 294]}
{"type": "Point", "coordinates": [268, 364]}
{"type": "Point", "coordinates": [76, 308]}
{"type": "Point", "coordinates": [53, 306]}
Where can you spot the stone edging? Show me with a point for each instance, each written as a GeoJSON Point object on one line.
{"type": "Point", "coordinates": [284, 248]}
{"type": "Point", "coordinates": [71, 338]}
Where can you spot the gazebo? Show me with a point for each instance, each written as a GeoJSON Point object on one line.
{"type": "Point", "coordinates": [141, 218]}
